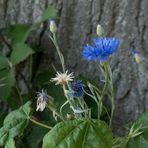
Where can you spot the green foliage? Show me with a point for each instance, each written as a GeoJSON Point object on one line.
{"type": "Point", "coordinates": [4, 62]}
{"type": "Point", "coordinates": [20, 53]}
{"type": "Point", "coordinates": [35, 137]}
{"type": "Point", "coordinates": [18, 33]}
{"type": "Point", "coordinates": [49, 13]}
{"type": "Point", "coordinates": [79, 133]}
{"type": "Point", "coordinates": [8, 80]}
{"type": "Point", "coordinates": [14, 125]}
{"type": "Point", "coordinates": [10, 143]}
{"type": "Point", "coordinates": [140, 141]}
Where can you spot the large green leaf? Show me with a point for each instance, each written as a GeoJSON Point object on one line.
{"type": "Point", "coordinates": [21, 52]}
{"type": "Point", "coordinates": [14, 124]}
{"type": "Point", "coordinates": [7, 81]}
{"type": "Point", "coordinates": [79, 134]}
{"type": "Point", "coordinates": [141, 141]}
{"type": "Point", "coordinates": [18, 33]}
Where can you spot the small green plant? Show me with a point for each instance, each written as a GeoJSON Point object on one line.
{"type": "Point", "coordinates": [72, 115]}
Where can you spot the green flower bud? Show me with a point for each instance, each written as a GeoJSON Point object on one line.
{"type": "Point", "coordinates": [138, 58]}
{"type": "Point", "coordinates": [100, 31]}
{"type": "Point", "coordinates": [53, 27]}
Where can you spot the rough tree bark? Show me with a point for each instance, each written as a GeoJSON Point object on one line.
{"type": "Point", "coordinates": [125, 19]}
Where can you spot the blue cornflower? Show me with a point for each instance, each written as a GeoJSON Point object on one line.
{"type": "Point", "coordinates": [77, 88]}
{"type": "Point", "coordinates": [102, 48]}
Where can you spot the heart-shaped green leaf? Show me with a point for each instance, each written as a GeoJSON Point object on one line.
{"type": "Point", "coordinates": [84, 133]}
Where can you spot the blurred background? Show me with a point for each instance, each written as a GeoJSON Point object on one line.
{"type": "Point", "coordinates": [77, 21]}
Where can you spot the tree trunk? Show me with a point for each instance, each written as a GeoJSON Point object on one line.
{"type": "Point", "coordinates": [127, 20]}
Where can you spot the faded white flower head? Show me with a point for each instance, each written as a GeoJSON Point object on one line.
{"type": "Point", "coordinates": [42, 100]}
{"type": "Point", "coordinates": [63, 78]}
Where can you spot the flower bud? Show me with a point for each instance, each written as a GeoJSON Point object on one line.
{"type": "Point", "coordinates": [100, 30]}
{"type": "Point", "coordinates": [53, 26]}
{"type": "Point", "coordinates": [138, 58]}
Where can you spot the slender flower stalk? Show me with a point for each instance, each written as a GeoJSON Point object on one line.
{"type": "Point", "coordinates": [108, 86]}
{"type": "Point", "coordinates": [111, 92]}
{"type": "Point", "coordinates": [55, 113]}
{"type": "Point", "coordinates": [40, 124]}
{"type": "Point", "coordinates": [53, 30]}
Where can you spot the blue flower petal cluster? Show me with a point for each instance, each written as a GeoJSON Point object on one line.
{"type": "Point", "coordinates": [101, 49]}
{"type": "Point", "coordinates": [77, 89]}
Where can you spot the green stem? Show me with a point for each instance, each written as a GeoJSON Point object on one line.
{"type": "Point", "coordinates": [82, 106]}
{"type": "Point", "coordinates": [107, 73]}
{"type": "Point", "coordinates": [54, 40]}
{"type": "Point", "coordinates": [30, 68]}
{"type": "Point", "coordinates": [111, 92]}
{"type": "Point", "coordinates": [112, 111]}
{"type": "Point", "coordinates": [61, 108]}
{"type": "Point", "coordinates": [53, 110]}
{"type": "Point", "coordinates": [94, 98]}
{"type": "Point", "coordinates": [40, 124]}
{"type": "Point", "coordinates": [18, 91]}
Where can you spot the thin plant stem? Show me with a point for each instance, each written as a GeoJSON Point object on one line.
{"type": "Point", "coordinates": [40, 124]}
{"type": "Point", "coordinates": [54, 40]}
{"type": "Point", "coordinates": [107, 73]}
{"type": "Point", "coordinates": [82, 106]}
{"type": "Point", "coordinates": [20, 96]}
{"type": "Point", "coordinates": [112, 111]}
{"type": "Point", "coordinates": [30, 68]}
{"type": "Point", "coordinates": [58, 115]}
{"type": "Point", "coordinates": [93, 97]}
{"type": "Point", "coordinates": [61, 108]}
{"type": "Point", "coordinates": [112, 93]}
